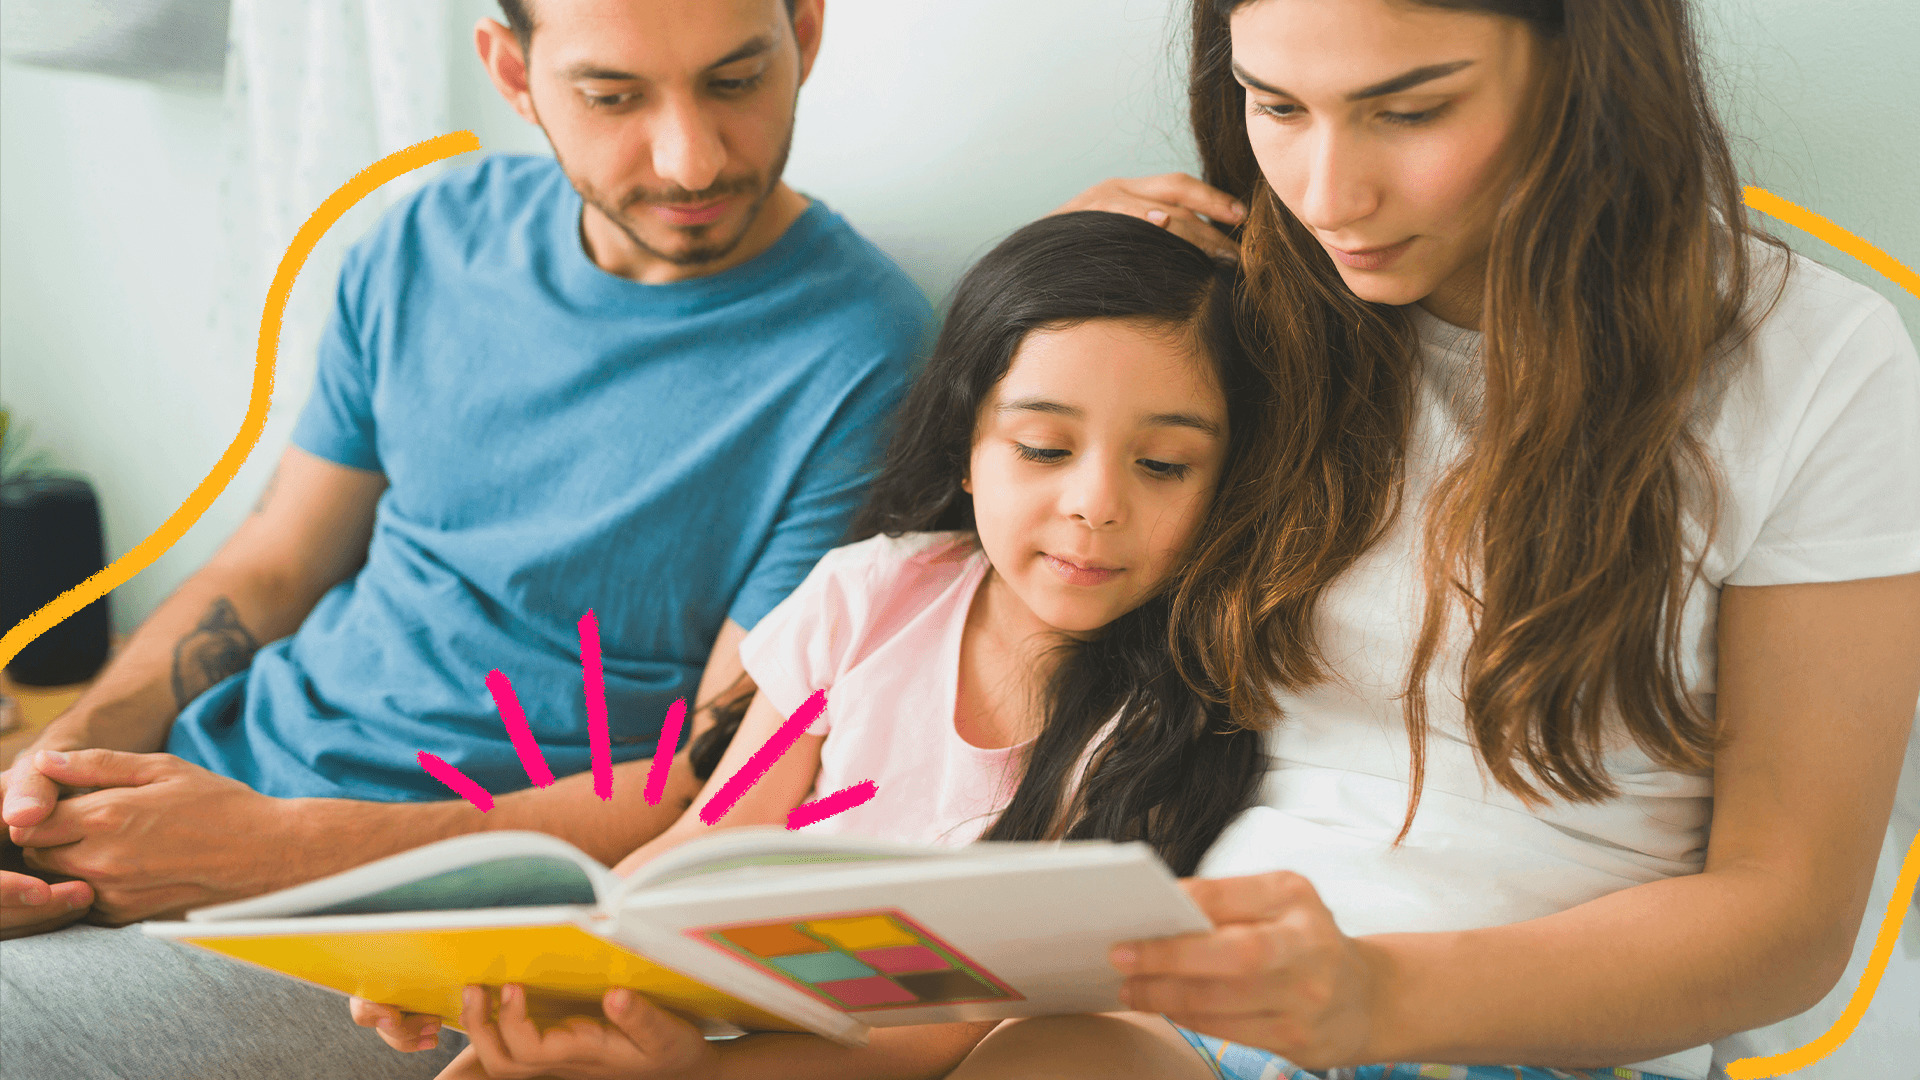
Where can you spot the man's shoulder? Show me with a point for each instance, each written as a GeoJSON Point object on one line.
{"type": "Point", "coordinates": [468, 206]}
{"type": "Point", "coordinates": [846, 277]}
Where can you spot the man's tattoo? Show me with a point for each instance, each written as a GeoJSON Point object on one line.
{"type": "Point", "coordinates": [211, 651]}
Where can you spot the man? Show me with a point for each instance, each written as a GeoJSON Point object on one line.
{"type": "Point", "coordinates": [648, 379]}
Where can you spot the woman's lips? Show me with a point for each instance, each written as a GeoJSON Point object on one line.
{"type": "Point", "coordinates": [1075, 574]}
{"type": "Point", "coordinates": [693, 214]}
{"type": "Point", "coordinates": [1369, 258]}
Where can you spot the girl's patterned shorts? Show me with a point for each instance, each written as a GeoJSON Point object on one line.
{"type": "Point", "coordinates": [1234, 1061]}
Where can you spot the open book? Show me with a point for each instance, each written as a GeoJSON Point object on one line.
{"type": "Point", "coordinates": [743, 930]}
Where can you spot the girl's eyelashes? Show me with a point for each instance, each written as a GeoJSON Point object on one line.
{"type": "Point", "coordinates": [1035, 453]}
{"type": "Point", "coordinates": [1164, 470]}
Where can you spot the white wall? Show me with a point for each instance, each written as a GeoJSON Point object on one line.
{"type": "Point", "coordinates": [935, 126]}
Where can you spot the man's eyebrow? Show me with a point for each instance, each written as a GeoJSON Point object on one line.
{"type": "Point", "coordinates": [755, 46]}
{"type": "Point", "coordinates": [759, 45]}
{"type": "Point", "coordinates": [1404, 81]}
{"type": "Point", "coordinates": [1055, 408]}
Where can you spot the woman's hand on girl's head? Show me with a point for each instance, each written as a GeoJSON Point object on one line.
{"type": "Point", "coordinates": [642, 1042]}
{"type": "Point", "coordinates": [1173, 201]}
{"type": "Point", "coordinates": [1275, 972]}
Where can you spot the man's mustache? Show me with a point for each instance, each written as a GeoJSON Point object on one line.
{"type": "Point", "coordinates": [746, 185]}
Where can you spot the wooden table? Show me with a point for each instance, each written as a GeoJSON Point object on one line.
{"type": "Point", "coordinates": [38, 705]}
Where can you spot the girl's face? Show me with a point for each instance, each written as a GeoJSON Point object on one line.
{"type": "Point", "coordinates": [1386, 128]}
{"type": "Point", "coordinates": [1093, 462]}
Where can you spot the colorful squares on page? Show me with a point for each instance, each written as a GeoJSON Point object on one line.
{"type": "Point", "coordinates": [857, 961]}
{"type": "Point", "coordinates": [865, 993]}
{"type": "Point", "coordinates": [868, 932]}
{"type": "Point", "coordinates": [774, 940]}
{"type": "Point", "coordinates": [904, 959]}
{"type": "Point", "coordinates": [939, 987]}
{"type": "Point", "coordinates": [822, 967]}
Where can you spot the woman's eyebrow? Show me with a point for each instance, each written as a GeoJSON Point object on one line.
{"type": "Point", "coordinates": [1405, 81]}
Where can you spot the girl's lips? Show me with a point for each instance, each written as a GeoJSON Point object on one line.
{"type": "Point", "coordinates": [1075, 574]}
{"type": "Point", "coordinates": [1370, 258]}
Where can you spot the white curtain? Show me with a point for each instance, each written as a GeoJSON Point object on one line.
{"type": "Point", "coordinates": [317, 90]}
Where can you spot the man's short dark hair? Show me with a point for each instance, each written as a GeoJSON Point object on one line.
{"type": "Point", "coordinates": [519, 15]}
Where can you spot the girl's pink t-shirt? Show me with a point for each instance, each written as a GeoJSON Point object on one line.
{"type": "Point", "coordinates": [877, 625]}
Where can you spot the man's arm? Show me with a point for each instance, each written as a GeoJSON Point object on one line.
{"type": "Point", "coordinates": [334, 834]}
{"type": "Point", "coordinates": [309, 531]}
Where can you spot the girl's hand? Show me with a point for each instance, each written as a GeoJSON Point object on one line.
{"type": "Point", "coordinates": [1275, 972]}
{"type": "Point", "coordinates": [1173, 201]}
{"type": "Point", "coordinates": [401, 1030]}
{"type": "Point", "coordinates": [642, 1041]}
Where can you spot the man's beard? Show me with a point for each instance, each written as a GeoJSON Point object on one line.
{"type": "Point", "coordinates": [759, 186]}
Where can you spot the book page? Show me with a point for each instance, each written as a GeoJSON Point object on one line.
{"type": "Point", "coordinates": [771, 848]}
{"type": "Point", "coordinates": [488, 870]}
{"type": "Point", "coordinates": [985, 934]}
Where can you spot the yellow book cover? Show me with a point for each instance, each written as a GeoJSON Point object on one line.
{"type": "Point", "coordinates": [741, 930]}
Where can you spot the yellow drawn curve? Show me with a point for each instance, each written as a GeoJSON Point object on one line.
{"type": "Point", "coordinates": [122, 569]}
{"type": "Point", "coordinates": [1755, 1068]}
{"type": "Point", "coordinates": [444, 146]}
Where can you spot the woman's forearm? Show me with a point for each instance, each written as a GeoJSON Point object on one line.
{"type": "Point", "coordinates": [1646, 971]}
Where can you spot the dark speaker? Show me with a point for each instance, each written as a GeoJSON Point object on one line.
{"type": "Point", "coordinates": [50, 541]}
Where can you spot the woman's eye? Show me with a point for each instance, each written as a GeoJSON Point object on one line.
{"type": "Point", "coordinates": [1277, 112]}
{"type": "Point", "coordinates": [1412, 119]}
{"type": "Point", "coordinates": [1166, 470]}
{"type": "Point", "coordinates": [1036, 453]}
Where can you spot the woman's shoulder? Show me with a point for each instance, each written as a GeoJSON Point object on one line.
{"type": "Point", "coordinates": [1809, 317]}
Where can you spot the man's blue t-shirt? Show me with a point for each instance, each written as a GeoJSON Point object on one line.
{"type": "Point", "coordinates": [556, 438]}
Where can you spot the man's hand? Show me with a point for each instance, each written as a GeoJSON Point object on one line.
{"type": "Point", "coordinates": [29, 904]}
{"type": "Point", "coordinates": [1173, 201]}
{"type": "Point", "coordinates": [160, 835]}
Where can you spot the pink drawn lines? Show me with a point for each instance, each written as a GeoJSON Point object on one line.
{"type": "Point", "coordinates": [663, 762]}
{"type": "Point", "coordinates": [512, 715]}
{"type": "Point", "coordinates": [763, 758]}
{"type": "Point", "coordinates": [456, 780]}
{"type": "Point", "coordinates": [828, 805]}
{"type": "Point", "coordinates": [599, 741]}
{"type": "Point", "coordinates": [596, 677]}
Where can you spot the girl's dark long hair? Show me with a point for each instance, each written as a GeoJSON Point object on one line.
{"type": "Point", "coordinates": [1179, 762]}
{"type": "Point", "coordinates": [1618, 274]}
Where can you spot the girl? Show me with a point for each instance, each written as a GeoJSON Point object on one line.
{"type": "Point", "coordinates": [1012, 649]}
{"type": "Point", "coordinates": [1600, 526]}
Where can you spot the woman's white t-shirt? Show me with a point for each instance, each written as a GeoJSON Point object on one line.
{"type": "Point", "coordinates": [1816, 441]}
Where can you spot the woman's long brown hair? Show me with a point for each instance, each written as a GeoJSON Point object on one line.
{"type": "Point", "coordinates": [1618, 275]}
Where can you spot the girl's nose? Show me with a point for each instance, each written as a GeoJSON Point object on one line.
{"type": "Point", "coordinates": [1093, 494]}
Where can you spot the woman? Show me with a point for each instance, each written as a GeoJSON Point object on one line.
{"type": "Point", "coordinates": [1603, 523]}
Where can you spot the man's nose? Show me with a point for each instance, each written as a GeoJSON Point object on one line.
{"type": "Point", "coordinates": [687, 149]}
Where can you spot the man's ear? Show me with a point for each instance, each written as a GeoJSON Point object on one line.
{"type": "Point", "coordinates": [506, 65]}
{"type": "Point", "coordinates": [808, 19]}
